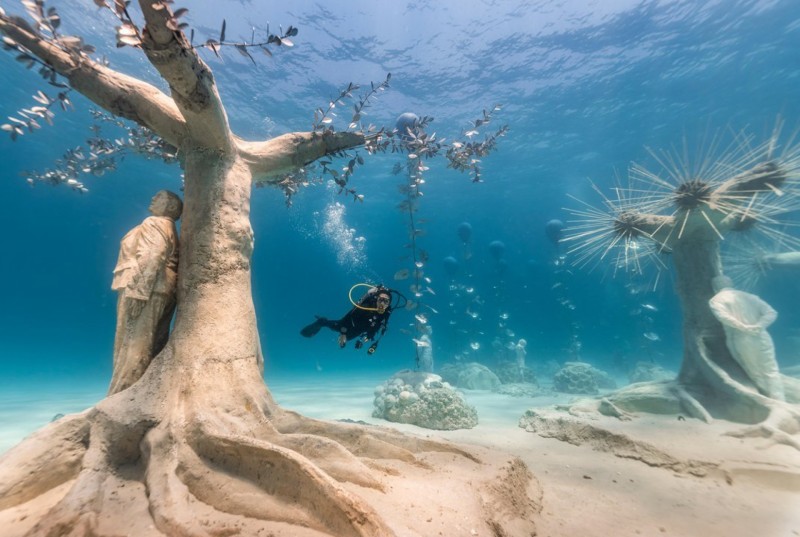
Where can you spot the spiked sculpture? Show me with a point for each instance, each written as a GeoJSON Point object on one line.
{"type": "Point", "coordinates": [688, 214]}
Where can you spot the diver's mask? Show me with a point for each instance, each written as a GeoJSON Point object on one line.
{"type": "Point", "coordinates": [383, 303]}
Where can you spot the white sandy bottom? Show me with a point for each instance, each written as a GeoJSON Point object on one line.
{"type": "Point", "coordinates": [586, 492]}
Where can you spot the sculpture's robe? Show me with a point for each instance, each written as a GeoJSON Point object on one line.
{"type": "Point", "coordinates": [745, 318]}
{"type": "Point", "coordinates": [147, 270]}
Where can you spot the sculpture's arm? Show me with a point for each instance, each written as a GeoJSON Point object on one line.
{"type": "Point", "coordinates": [189, 78]}
{"type": "Point", "coordinates": [272, 158]}
{"type": "Point", "coordinates": [117, 93]}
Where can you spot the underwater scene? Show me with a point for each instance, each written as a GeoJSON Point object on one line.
{"type": "Point", "coordinates": [497, 268]}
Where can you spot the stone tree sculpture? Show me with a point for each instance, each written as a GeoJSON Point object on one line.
{"type": "Point", "coordinates": [198, 447]}
{"type": "Point", "coordinates": [685, 216]}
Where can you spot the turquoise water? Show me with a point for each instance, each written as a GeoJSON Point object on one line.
{"type": "Point", "coordinates": [585, 88]}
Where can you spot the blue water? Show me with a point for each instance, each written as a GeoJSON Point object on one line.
{"type": "Point", "coordinates": [585, 88]}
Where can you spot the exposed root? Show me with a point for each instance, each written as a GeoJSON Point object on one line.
{"type": "Point", "coordinates": [172, 464]}
{"type": "Point", "coordinates": [774, 420]}
{"type": "Point", "coordinates": [287, 477]}
{"type": "Point", "coordinates": [44, 460]}
{"type": "Point", "coordinates": [511, 496]}
{"type": "Point", "coordinates": [551, 424]}
{"type": "Point", "coordinates": [367, 441]}
{"type": "Point", "coordinates": [781, 427]}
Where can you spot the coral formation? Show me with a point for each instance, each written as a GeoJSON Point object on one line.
{"type": "Point", "coordinates": [470, 376]}
{"type": "Point", "coordinates": [580, 377]}
{"type": "Point", "coordinates": [425, 400]}
{"type": "Point", "coordinates": [509, 372]}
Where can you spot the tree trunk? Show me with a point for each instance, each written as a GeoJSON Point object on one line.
{"type": "Point", "coordinates": [215, 325]}
{"type": "Point", "coordinates": [697, 263]}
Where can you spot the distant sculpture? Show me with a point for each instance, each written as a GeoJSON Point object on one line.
{"type": "Point", "coordinates": [406, 124]}
{"type": "Point", "coordinates": [745, 318]}
{"type": "Point", "coordinates": [145, 278]}
{"type": "Point", "coordinates": [497, 249]}
{"type": "Point", "coordinates": [425, 350]}
{"type": "Point", "coordinates": [553, 229]}
{"type": "Point", "coordinates": [465, 235]}
{"type": "Point", "coordinates": [520, 352]}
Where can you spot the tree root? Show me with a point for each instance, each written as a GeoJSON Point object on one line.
{"type": "Point", "coordinates": [199, 472]}
{"type": "Point", "coordinates": [779, 428]}
{"type": "Point", "coordinates": [576, 431]}
{"type": "Point", "coordinates": [777, 421]}
{"type": "Point", "coordinates": [44, 460]}
{"type": "Point", "coordinates": [373, 441]}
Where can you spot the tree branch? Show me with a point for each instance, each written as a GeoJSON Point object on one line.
{"type": "Point", "coordinates": [117, 93]}
{"type": "Point", "coordinates": [189, 78]}
{"type": "Point", "coordinates": [720, 212]}
{"type": "Point", "coordinates": [764, 177]}
{"type": "Point", "coordinates": [270, 159]}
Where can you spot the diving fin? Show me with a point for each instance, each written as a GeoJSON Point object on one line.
{"type": "Point", "coordinates": [313, 328]}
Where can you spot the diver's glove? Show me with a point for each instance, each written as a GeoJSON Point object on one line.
{"type": "Point", "coordinates": [359, 343]}
{"type": "Point", "coordinates": [372, 348]}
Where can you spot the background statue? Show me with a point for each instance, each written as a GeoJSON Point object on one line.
{"type": "Point", "coordinates": [146, 278]}
{"type": "Point", "coordinates": [520, 352]}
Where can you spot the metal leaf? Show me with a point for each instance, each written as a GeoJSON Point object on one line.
{"type": "Point", "coordinates": [132, 41]}
{"type": "Point", "coordinates": [243, 51]}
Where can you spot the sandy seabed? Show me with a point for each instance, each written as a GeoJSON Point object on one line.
{"type": "Point", "coordinates": [593, 488]}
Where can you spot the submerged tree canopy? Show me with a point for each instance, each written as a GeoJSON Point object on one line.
{"type": "Point", "coordinates": [198, 446]}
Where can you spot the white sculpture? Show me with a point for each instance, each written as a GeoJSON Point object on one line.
{"type": "Point", "coordinates": [519, 350]}
{"type": "Point", "coordinates": [745, 318]}
{"type": "Point", "coordinates": [425, 350]}
{"type": "Point", "coordinates": [145, 278]}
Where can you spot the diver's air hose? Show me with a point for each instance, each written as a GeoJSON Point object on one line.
{"type": "Point", "coordinates": [353, 302]}
{"type": "Point", "coordinates": [390, 291]}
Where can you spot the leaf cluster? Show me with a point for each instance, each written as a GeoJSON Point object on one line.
{"type": "Point", "coordinates": [323, 118]}
{"type": "Point", "coordinates": [26, 118]}
{"type": "Point", "coordinates": [465, 156]}
{"type": "Point", "coordinates": [280, 39]}
{"type": "Point", "coordinates": [342, 178]}
{"type": "Point", "coordinates": [101, 155]}
{"type": "Point", "coordinates": [46, 28]}
{"type": "Point", "coordinates": [47, 22]}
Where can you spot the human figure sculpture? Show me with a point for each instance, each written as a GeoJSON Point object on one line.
{"type": "Point", "coordinates": [425, 350]}
{"type": "Point", "coordinates": [145, 279]}
{"type": "Point", "coordinates": [520, 352]}
{"type": "Point", "coordinates": [745, 318]}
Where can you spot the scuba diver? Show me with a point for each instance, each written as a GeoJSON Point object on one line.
{"type": "Point", "coordinates": [369, 315]}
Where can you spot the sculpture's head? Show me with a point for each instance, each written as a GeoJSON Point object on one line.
{"type": "Point", "coordinates": [166, 203]}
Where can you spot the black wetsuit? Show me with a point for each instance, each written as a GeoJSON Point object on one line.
{"type": "Point", "coordinates": [358, 322]}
